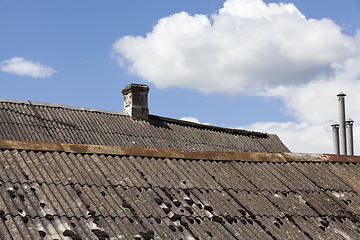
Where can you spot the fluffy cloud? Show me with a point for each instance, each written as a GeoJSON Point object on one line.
{"type": "Point", "coordinates": [315, 107]}
{"type": "Point", "coordinates": [269, 50]}
{"type": "Point", "coordinates": [192, 119]}
{"type": "Point", "coordinates": [299, 137]}
{"type": "Point", "coordinates": [247, 46]}
{"type": "Point", "coordinates": [22, 67]}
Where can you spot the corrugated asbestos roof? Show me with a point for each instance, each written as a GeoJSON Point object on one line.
{"type": "Point", "coordinates": [43, 122]}
{"type": "Point", "coordinates": [75, 192]}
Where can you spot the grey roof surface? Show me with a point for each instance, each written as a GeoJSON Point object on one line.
{"type": "Point", "coordinates": [44, 122]}
{"type": "Point", "coordinates": [61, 195]}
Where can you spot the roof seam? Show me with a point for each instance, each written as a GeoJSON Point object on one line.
{"type": "Point", "coordinates": [256, 157]}
{"type": "Point", "coordinates": [245, 132]}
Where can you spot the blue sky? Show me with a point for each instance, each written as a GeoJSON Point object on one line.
{"type": "Point", "coordinates": [279, 71]}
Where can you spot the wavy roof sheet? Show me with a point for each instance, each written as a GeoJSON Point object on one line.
{"type": "Point", "coordinates": [34, 121]}
{"type": "Point", "coordinates": [64, 194]}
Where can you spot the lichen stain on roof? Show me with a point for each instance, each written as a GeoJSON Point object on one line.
{"type": "Point", "coordinates": [49, 191]}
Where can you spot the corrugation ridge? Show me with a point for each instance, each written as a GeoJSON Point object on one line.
{"type": "Point", "coordinates": [198, 136]}
{"type": "Point", "coordinates": [313, 176]}
{"type": "Point", "coordinates": [205, 175]}
{"type": "Point", "coordinates": [59, 124]}
{"type": "Point", "coordinates": [225, 212]}
{"type": "Point", "coordinates": [101, 128]}
{"type": "Point", "coordinates": [11, 123]}
{"type": "Point", "coordinates": [72, 160]}
{"type": "Point", "coordinates": [154, 173]}
{"type": "Point", "coordinates": [347, 173]}
{"type": "Point", "coordinates": [147, 172]}
{"type": "Point", "coordinates": [118, 172]}
{"type": "Point", "coordinates": [30, 129]}
{"type": "Point", "coordinates": [18, 129]}
{"type": "Point", "coordinates": [192, 177]}
{"type": "Point", "coordinates": [50, 122]}
{"type": "Point", "coordinates": [42, 124]}
{"type": "Point", "coordinates": [5, 165]}
{"type": "Point", "coordinates": [93, 172]}
{"type": "Point", "coordinates": [329, 167]}
{"type": "Point", "coordinates": [172, 177]}
{"type": "Point", "coordinates": [133, 171]}
{"type": "Point", "coordinates": [117, 127]}
{"type": "Point", "coordinates": [57, 128]}
{"type": "Point", "coordinates": [42, 116]}
{"type": "Point", "coordinates": [122, 132]}
{"type": "Point", "coordinates": [80, 132]}
{"type": "Point", "coordinates": [66, 124]}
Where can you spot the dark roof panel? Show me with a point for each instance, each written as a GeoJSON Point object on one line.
{"type": "Point", "coordinates": [43, 122]}
{"type": "Point", "coordinates": [52, 193]}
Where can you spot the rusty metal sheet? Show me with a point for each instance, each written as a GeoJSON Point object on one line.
{"type": "Point", "coordinates": [308, 157]}
{"type": "Point", "coordinates": [143, 152]}
{"type": "Point", "coordinates": [29, 145]}
{"type": "Point", "coordinates": [305, 157]}
{"type": "Point", "coordinates": [343, 158]}
{"type": "Point", "coordinates": [175, 154]}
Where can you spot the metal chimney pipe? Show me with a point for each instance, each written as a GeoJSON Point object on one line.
{"type": "Point", "coordinates": [349, 136]}
{"type": "Point", "coordinates": [341, 105]}
{"type": "Point", "coordinates": [335, 130]}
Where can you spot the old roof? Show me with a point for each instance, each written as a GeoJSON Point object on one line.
{"type": "Point", "coordinates": [44, 122]}
{"type": "Point", "coordinates": [67, 191]}
{"type": "Point", "coordinates": [80, 173]}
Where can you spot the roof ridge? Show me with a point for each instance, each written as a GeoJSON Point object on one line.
{"type": "Point", "coordinates": [46, 104]}
{"type": "Point", "coordinates": [174, 154]}
{"type": "Point", "coordinates": [248, 132]}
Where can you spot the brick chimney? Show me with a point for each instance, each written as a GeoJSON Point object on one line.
{"type": "Point", "coordinates": [136, 101]}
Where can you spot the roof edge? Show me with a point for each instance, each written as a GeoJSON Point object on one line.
{"type": "Point", "coordinates": [245, 132]}
{"type": "Point", "coordinates": [35, 103]}
{"type": "Point", "coordinates": [154, 117]}
{"type": "Point", "coordinates": [175, 154]}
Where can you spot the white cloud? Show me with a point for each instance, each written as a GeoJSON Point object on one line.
{"type": "Point", "coordinates": [315, 107]}
{"type": "Point", "coordinates": [192, 119]}
{"type": "Point", "coordinates": [299, 137]}
{"type": "Point", "coordinates": [22, 67]}
{"type": "Point", "coordinates": [248, 45]}
{"type": "Point", "coordinates": [269, 50]}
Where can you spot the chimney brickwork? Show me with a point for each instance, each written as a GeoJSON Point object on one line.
{"type": "Point", "coordinates": [136, 101]}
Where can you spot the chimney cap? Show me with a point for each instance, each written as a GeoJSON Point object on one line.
{"type": "Point", "coordinates": [349, 120]}
{"type": "Point", "coordinates": [134, 86]}
{"type": "Point", "coordinates": [335, 124]}
{"type": "Point", "coordinates": [341, 94]}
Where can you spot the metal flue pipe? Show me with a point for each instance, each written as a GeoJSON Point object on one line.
{"type": "Point", "coordinates": [335, 130]}
{"type": "Point", "coordinates": [341, 105]}
{"type": "Point", "coordinates": [349, 136]}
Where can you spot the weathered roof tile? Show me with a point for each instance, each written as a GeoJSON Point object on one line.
{"type": "Point", "coordinates": [44, 122]}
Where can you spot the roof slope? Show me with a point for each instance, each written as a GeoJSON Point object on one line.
{"type": "Point", "coordinates": [68, 194]}
{"type": "Point", "coordinates": [33, 121]}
